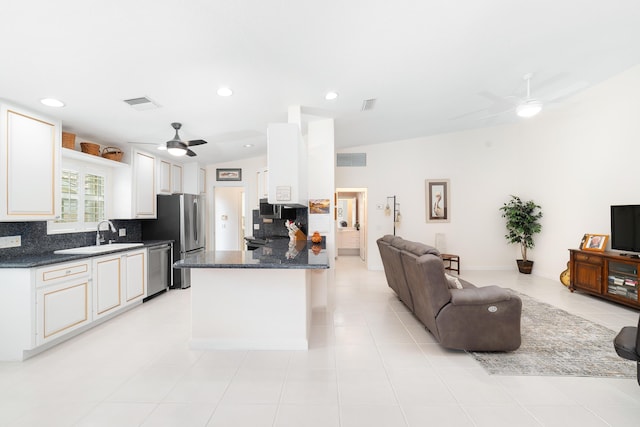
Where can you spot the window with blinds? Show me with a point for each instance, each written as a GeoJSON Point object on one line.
{"type": "Point", "coordinates": [83, 199]}
{"type": "Point", "coordinates": [93, 198]}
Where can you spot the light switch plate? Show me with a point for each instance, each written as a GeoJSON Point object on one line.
{"type": "Point", "coordinates": [256, 226]}
{"type": "Point", "coordinates": [122, 232]}
{"type": "Point", "coordinates": [10, 241]}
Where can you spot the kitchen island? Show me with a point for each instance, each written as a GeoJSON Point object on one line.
{"type": "Point", "coordinates": [255, 300]}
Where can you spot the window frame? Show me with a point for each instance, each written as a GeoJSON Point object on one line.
{"type": "Point", "coordinates": [84, 169]}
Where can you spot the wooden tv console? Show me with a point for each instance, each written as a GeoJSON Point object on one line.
{"type": "Point", "coordinates": [608, 275]}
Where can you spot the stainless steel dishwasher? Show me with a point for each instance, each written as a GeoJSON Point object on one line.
{"type": "Point", "coordinates": [159, 270]}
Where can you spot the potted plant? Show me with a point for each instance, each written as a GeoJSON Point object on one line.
{"type": "Point", "coordinates": [522, 224]}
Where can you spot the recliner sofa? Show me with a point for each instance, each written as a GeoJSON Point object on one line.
{"type": "Point", "coordinates": [627, 345]}
{"type": "Point", "coordinates": [458, 314]}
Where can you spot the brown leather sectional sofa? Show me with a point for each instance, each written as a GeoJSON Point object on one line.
{"type": "Point", "coordinates": [459, 315]}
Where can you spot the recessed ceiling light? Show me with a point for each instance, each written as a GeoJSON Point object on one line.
{"type": "Point", "coordinates": [248, 145]}
{"type": "Point", "coordinates": [330, 96]}
{"type": "Point", "coordinates": [52, 102]}
{"type": "Point", "coordinates": [225, 91]}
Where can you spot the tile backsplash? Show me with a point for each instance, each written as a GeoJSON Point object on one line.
{"type": "Point", "coordinates": [275, 227]}
{"type": "Point", "coordinates": [35, 239]}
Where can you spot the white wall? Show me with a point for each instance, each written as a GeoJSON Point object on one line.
{"type": "Point", "coordinates": [574, 161]}
{"type": "Point", "coordinates": [249, 168]}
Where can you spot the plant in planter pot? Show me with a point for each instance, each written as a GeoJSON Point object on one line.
{"type": "Point", "coordinates": [522, 223]}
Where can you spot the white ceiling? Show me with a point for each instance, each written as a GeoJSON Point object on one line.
{"type": "Point", "coordinates": [428, 63]}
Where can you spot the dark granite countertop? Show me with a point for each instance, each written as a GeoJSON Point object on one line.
{"type": "Point", "coordinates": [275, 254]}
{"type": "Point", "coordinates": [47, 258]}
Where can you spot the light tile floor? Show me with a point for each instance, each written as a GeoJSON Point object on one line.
{"type": "Point", "coordinates": [370, 364]}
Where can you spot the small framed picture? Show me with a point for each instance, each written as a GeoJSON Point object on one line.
{"type": "Point", "coordinates": [229, 174]}
{"type": "Point", "coordinates": [595, 242]}
{"type": "Point", "coordinates": [319, 206]}
{"type": "Point", "coordinates": [437, 200]}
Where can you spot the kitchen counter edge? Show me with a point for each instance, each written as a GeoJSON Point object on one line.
{"type": "Point", "coordinates": [48, 258]}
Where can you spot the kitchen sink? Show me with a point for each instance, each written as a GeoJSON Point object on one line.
{"type": "Point", "coordinates": [98, 249]}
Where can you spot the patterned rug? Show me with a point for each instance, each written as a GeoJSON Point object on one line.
{"type": "Point", "coordinates": [557, 343]}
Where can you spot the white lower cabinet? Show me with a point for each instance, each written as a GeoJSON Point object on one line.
{"type": "Point", "coordinates": [62, 308]}
{"type": "Point", "coordinates": [40, 306]}
{"type": "Point", "coordinates": [107, 284]}
{"type": "Point", "coordinates": [63, 296]}
{"type": "Point", "coordinates": [136, 276]}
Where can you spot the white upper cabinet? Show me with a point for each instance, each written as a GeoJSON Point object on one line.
{"type": "Point", "coordinates": [30, 147]}
{"type": "Point", "coordinates": [202, 180]}
{"type": "Point", "coordinates": [170, 177]}
{"type": "Point", "coordinates": [287, 162]}
{"type": "Point", "coordinates": [262, 184]}
{"type": "Point", "coordinates": [164, 177]}
{"type": "Point", "coordinates": [194, 178]}
{"type": "Point", "coordinates": [176, 178]}
{"type": "Point", "coordinates": [135, 188]}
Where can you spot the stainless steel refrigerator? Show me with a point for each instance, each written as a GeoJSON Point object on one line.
{"type": "Point", "coordinates": [181, 219]}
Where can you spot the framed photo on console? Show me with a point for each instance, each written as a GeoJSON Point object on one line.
{"type": "Point", "coordinates": [595, 242]}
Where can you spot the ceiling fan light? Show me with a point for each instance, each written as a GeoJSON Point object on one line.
{"type": "Point", "coordinates": [176, 148]}
{"type": "Point", "coordinates": [177, 151]}
{"type": "Point", "coordinates": [529, 108]}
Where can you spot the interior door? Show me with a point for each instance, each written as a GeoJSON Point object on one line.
{"type": "Point", "coordinates": [229, 218]}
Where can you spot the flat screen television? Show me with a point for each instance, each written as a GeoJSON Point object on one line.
{"type": "Point", "coordinates": [625, 228]}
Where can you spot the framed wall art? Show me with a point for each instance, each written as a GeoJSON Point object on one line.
{"type": "Point", "coordinates": [229, 174]}
{"type": "Point", "coordinates": [595, 242]}
{"type": "Point", "coordinates": [319, 206]}
{"type": "Point", "coordinates": [437, 198]}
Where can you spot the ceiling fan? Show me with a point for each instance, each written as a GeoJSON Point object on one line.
{"type": "Point", "coordinates": [526, 106]}
{"type": "Point", "coordinates": [176, 146]}
{"type": "Point", "coordinates": [529, 106]}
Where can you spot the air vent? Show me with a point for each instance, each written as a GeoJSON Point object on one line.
{"type": "Point", "coordinates": [142, 103]}
{"type": "Point", "coordinates": [368, 104]}
{"type": "Point", "coordinates": [351, 160]}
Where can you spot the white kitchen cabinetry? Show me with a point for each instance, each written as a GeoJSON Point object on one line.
{"type": "Point", "coordinates": [202, 180]}
{"type": "Point", "coordinates": [164, 177]}
{"type": "Point", "coordinates": [43, 306]}
{"type": "Point", "coordinates": [136, 276]}
{"type": "Point", "coordinates": [287, 161]}
{"type": "Point", "coordinates": [194, 178]}
{"type": "Point", "coordinates": [262, 184]}
{"type": "Point", "coordinates": [135, 189]}
{"type": "Point", "coordinates": [30, 158]}
{"type": "Point", "coordinates": [107, 284]}
{"type": "Point", "coordinates": [176, 178]}
{"type": "Point", "coordinates": [63, 296]}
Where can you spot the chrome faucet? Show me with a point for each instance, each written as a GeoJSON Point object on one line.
{"type": "Point", "coordinates": [113, 229]}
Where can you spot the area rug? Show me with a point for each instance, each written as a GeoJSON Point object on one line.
{"type": "Point", "coordinates": [557, 343]}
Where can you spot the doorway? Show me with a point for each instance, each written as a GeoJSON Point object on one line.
{"type": "Point", "coordinates": [351, 222]}
{"type": "Point", "coordinates": [228, 218]}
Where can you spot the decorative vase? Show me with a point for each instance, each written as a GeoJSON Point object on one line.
{"type": "Point", "coordinates": [316, 237]}
{"type": "Point", "coordinates": [524, 267]}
